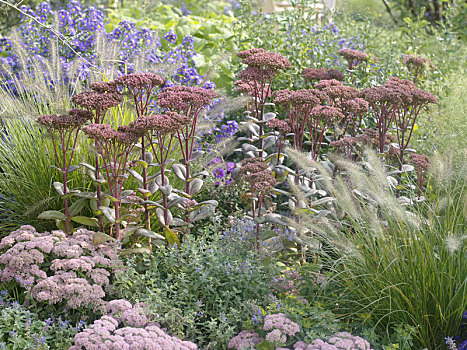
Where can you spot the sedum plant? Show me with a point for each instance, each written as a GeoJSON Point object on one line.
{"type": "Point", "coordinates": [67, 129]}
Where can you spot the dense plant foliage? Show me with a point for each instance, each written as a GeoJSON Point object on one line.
{"type": "Point", "coordinates": [304, 191]}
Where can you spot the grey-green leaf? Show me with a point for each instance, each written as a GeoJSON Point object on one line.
{"type": "Point", "coordinates": [51, 214]}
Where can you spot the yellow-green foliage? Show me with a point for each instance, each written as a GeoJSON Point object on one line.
{"type": "Point", "coordinates": [447, 127]}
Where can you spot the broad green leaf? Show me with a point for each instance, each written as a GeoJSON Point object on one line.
{"type": "Point", "coordinates": [84, 220]}
{"type": "Point", "coordinates": [77, 206]}
{"type": "Point", "coordinates": [100, 237]}
{"type": "Point", "coordinates": [171, 236]}
{"type": "Point", "coordinates": [147, 233]}
{"type": "Point", "coordinates": [141, 250]}
{"type": "Point", "coordinates": [51, 214]}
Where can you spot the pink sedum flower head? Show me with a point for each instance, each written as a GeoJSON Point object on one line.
{"type": "Point", "coordinates": [326, 113]}
{"type": "Point", "coordinates": [97, 101]}
{"type": "Point", "coordinates": [24, 251]}
{"type": "Point", "coordinates": [75, 119]}
{"type": "Point", "coordinates": [140, 81]}
{"type": "Point", "coordinates": [280, 125]}
{"type": "Point", "coordinates": [267, 60]}
{"type": "Point", "coordinates": [282, 323]}
{"type": "Point", "coordinates": [105, 334]}
{"type": "Point", "coordinates": [346, 341]}
{"type": "Point", "coordinates": [276, 336]}
{"type": "Point", "coordinates": [318, 74]}
{"type": "Point", "coordinates": [247, 339]}
{"type": "Point", "coordinates": [414, 62]}
{"type": "Point", "coordinates": [115, 308]}
{"type": "Point", "coordinates": [356, 105]}
{"type": "Point", "coordinates": [257, 74]}
{"type": "Point", "coordinates": [249, 52]}
{"type": "Point", "coordinates": [354, 57]}
{"type": "Point", "coordinates": [420, 161]}
{"type": "Point", "coordinates": [182, 98]}
{"type": "Point", "coordinates": [104, 87]}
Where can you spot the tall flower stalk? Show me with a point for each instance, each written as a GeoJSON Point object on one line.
{"type": "Point", "coordinates": [406, 112]}
{"type": "Point", "coordinates": [141, 86]}
{"type": "Point", "coordinates": [257, 78]}
{"type": "Point", "coordinates": [261, 182]}
{"type": "Point", "coordinates": [160, 131]}
{"type": "Point", "coordinates": [66, 127]}
{"type": "Point", "coordinates": [104, 95]}
{"type": "Point", "coordinates": [114, 147]}
{"type": "Point", "coordinates": [190, 103]}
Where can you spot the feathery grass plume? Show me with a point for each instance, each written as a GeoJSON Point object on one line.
{"type": "Point", "coordinates": [396, 264]}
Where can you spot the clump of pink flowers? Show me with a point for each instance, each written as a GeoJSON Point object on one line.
{"type": "Point", "coordinates": [79, 272]}
{"type": "Point", "coordinates": [338, 341]}
{"type": "Point", "coordinates": [127, 327]}
{"type": "Point", "coordinates": [247, 339]}
{"type": "Point", "coordinates": [280, 327]}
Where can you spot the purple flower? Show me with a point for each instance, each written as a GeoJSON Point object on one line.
{"type": "Point", "coordinates": [171, 37]}
{"type": "Point", "coordinates": [219, 173]}
{"type": "Point", "coordinates": [230, 166]}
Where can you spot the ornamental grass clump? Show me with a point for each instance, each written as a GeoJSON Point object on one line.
{"type": "Point", "coordinates": [396, 263]}
{"type": "Point", "coordinates": [66, 127]}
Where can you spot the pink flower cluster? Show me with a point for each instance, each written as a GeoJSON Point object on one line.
{"type": "Point", "coordinates": [322, 74]}
{"type": "Point", "coordinates": [97, 101]}
{"type": "Point", "coordinates": [337, 91]}
{"type": "Point", "coordinates": [24, 250]}
{"type": "Point", "coordinates": [166, 123]}
{"type": "Point", "coordinates": [252, 87]}
{"type": "Point", "coordinates": [339, 341]}
{"type": "Point", "coordinates": [183, 98]}
{"type": "Point", "coordinates": [104, 133]}
{"type": "Point", "coordinates": [104, 86]}
{"type": "Point", "coordinates": [354, 57]}
{"type": "Point", "coordinates": [255, 172]}
{"type": "Point", "coordinates": [280, 125]}
{"type": "Point", "coordinates": [326, 113]}
{"type": "Point", "coordinates": [126, 327]}
{"type": "Point", "coordinates": [279, 322]}
{"type": "Point", "coordinates": [355, 106]}
{"type": "Point", "coordinates": [265, 59]}
{"type": "Point", "coordinates": [245, 340]}
{"type": "Point", "coordinates": [420, 161]}
{"type": "Point", "coordinates": [416, 62]}
{"type": "Point", "coordinates": [80, 269]}
{"type": "Point", "coordinates": [76, 118]}
{"type": "Point", "coordinates": [140, 81]}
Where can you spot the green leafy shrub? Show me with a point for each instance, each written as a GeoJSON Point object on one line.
{"type": "Point", "coordinates": [202, 291]}
{"type": "Point", "coordinates": [21, 328]}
